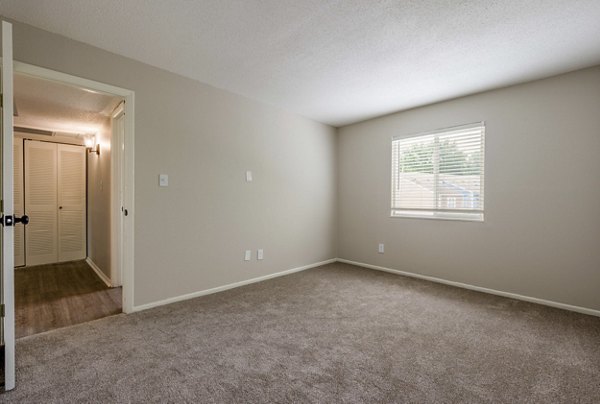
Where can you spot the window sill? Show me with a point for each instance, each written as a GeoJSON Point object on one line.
{"type": "Point", "coordinates": [459, 216]}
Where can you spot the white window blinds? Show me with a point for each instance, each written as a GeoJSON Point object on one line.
{"type": "Point", "coordinates": [439, 174]}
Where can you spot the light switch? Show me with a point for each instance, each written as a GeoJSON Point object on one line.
{"type": "Point", "coordinates": [163, 180]}
{"type": "Point", "coordinates": [248, 255]}
{"type": "Point", "coordinates": [248, 176]}
{"type": "Point", "coordinates": [381, 248]}
{"type": "Point", "coordinates": [259, 254]}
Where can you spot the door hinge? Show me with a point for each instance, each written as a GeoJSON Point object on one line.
{"type": "Point", "coordinates": [2, 310]}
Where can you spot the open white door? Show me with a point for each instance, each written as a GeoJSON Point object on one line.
{"type": "Point", "coordinates": [19, 201]}
{"type": "Point", "coordinates": [7, 232]}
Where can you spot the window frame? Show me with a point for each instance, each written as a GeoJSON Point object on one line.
{"type": "Point", "coordinates": [439, 214]}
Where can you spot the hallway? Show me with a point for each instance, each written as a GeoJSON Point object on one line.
{"type": "Point", "coordinates": [59, 295]}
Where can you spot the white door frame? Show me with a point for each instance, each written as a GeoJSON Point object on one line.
{"type": "Point", "coordinates": [117, 201]}
{"type": "Point", "coordinates": [122, 227]}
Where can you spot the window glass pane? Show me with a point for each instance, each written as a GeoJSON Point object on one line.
{"type": "Point", "coordinates": [440, 172]}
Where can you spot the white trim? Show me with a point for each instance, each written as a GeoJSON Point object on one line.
{"type": "Point", "coordinates": [230, 286]}
{"type": "Point", "coordinates": [8, 267]}
{"type": "Point", "coordinates": [119, 109]}
{"type": "Point", "coordinates": [128, 188]}
{"type": "Point", "coordinates": [116, 217]}
{"type": "Point", "coordinates": [99, 272]}
{"type": "Point", "coordinates": [53, 75]}
{"type": "Point", "coordinates": [128, 268]}
{"type": "Point", "coordinates": [437, 215]}
{"type": "Point", "coordinates": [564, 306]}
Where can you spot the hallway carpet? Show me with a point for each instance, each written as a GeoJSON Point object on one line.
{"type": "Point", "coordinates": [334, 334]}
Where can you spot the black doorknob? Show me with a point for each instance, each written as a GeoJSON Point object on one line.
{"type": "Point", "coordinates": [23, 219]}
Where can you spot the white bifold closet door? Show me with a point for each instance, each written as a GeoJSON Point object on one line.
{"type": "Point", "coordinates": [19, 201]}
{"type": "Point", "coordinates": [55, 202]}
{"type": "Point", "coordinates": [41, 203]}
{"type": "Point", "coordinates": [71, 203]}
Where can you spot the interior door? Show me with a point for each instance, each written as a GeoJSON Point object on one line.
{"type": "Point", "coordinates": [71, 202]}
{"type": "Point", "coordinates": [7, 331]}
{"type": "Point", "coordinates": [19, 201]}
{"type": "Point", "coordinates": [118, 138]}
{"type": "Point", "coordinates": [41, 204]}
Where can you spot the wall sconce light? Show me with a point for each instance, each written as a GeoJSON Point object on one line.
{"type": "Point", "coordinates": [92, 146]}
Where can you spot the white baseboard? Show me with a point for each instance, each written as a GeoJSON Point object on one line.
{"type": "Point", "coordinates": [229, 286]}
{"type": "Point", "coordinates": [544, 302]}
{"type": "Point", "coordinates": [99, 272]}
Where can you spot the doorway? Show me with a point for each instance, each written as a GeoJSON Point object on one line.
{"type": "Point", "coordinates": [62, 184]}
{"type": "Point", "coordinates": [120, 214]}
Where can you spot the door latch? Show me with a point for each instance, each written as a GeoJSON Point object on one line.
{"type": "Point", "coordinates": [6, 220]}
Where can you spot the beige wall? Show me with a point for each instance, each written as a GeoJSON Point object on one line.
{"type": "Point", "coordinates": [541, 235]}
{"type": "Point", "coordinates": [99, 201]}
{"type": "Point", "coordinates": [192, 235]}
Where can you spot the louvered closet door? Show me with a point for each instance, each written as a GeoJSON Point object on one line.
{"type": "Point", "coordinates": [19, 202]}
{"type": "Point", "coordinates": [71, 203]}
{"type": "Point", "coordinates": [41, 244]}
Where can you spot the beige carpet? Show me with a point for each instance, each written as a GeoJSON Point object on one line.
{"type": "Point", "coordinates": [332, 334]}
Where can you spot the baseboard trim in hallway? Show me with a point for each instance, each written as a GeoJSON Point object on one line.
{"type": "Point", "coordinates": [564, 306]}
{"type": "Point", "coordinates": [99, 272]}
{"type": "Point", "coordinates": [229, 286]}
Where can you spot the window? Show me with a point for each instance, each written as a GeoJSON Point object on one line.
{"type": "Point", "coordinates": [439, 174]}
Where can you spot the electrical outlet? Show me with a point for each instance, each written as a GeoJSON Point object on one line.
{"type": "Point", "coordinates": [381, 248]}
{"type": "Point", "coordinates": [248, 255]}
{"type": "Point", "coordinates": [259, 254]}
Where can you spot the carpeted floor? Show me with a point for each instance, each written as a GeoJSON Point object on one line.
{"type": "Point", "coordinates": [332, 334]}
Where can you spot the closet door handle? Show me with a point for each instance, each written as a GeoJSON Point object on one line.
{"type": "Point", "coordinates": [60, 207]}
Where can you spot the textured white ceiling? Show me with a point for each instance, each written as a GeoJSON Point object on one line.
{"type": "Point", "coordinates": [336, 61]}
{"type": "Point", "coordinates": [47, 105]}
